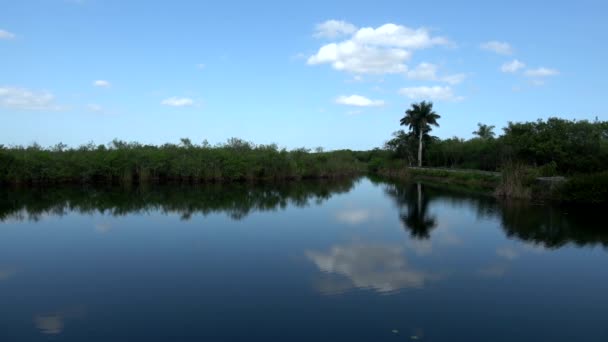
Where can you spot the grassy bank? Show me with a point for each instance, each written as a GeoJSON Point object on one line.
{"type": "Point", "coordinates": [121, 162]}
{"type": "Point", "coordinates": [515, 181]}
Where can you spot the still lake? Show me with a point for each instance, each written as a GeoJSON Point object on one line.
{"type": "Point", "coordinates": [350, 260]}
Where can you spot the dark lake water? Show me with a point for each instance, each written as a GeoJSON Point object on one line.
{"type": "Point", "coordinates": [355, 260]}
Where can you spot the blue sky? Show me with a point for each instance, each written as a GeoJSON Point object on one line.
{"type": "Point", "coordinates": [316, 73]}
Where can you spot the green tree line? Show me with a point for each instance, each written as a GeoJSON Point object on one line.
{"type": "Point", "coordinates": [555, 146]}
{"type": "Point", "coordinates": [123, 162]}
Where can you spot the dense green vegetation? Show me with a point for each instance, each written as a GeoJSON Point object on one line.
{"type": "Point", "coordinates": [522, 153]}
{"type": "Point", "coordinates": [555, 146]}
{"type": "Point", "coordinates": [121, 162]}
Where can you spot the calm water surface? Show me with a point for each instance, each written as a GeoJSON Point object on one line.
{"type": "Point", "coordinates": [354, 260]}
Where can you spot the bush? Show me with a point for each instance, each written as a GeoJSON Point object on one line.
{"type": "Point", "coordinates": [589, 188]}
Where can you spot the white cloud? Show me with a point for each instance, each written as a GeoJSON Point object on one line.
{"type": "Point", "coordinates": [95, 108]}
{"type": "Point", "coordinates": [541, 72]}
{"type": "Point", "coordinates": [501, 48]}
{"type": "Point", "coordinates": [178, 102]}
{"type": "Point", "coordinates": [358, 101]}
{"type": "Point", "coordinates": [382, 50]}
{"type": "Point", "coordinates": [334, 29]}
{"type": "Point", "coordinates": [6, 35]}
{"type": "Point", "coordinates": [512, 66]}
{"type": "Point", "coordinates": [430, 93]}
{"type": "Point", "coordinates": [398, 36]}
{"type": "Point", "coordinates": [428, 72]}
{"type": "Point", "coordinates": [453, 79]}
{"type": "Point", "coordinates": [362, 59]}
{"type": "Point", "coordinates": [423, 72]}
{"type": "Point", "coordinates": [21, 98]}
{"type": "Point", "coordinates": [200, 66]}
{"type": "Point", "coordinates": [101, 83]}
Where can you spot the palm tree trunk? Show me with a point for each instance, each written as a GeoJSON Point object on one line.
{"type": "Point", "coordinates": [420, 149]}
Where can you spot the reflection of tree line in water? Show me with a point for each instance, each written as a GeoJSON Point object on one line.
{"type": "Point", "coordinates": [237, 200]}
{"type": "Point", "coordinates": [550, 226]}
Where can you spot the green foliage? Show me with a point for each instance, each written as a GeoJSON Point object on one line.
{"type": "Point", "coordinates": [484, 131]}
{"type": "Point", "coordinates": [589, 188]}
{"type": "Point", "coordinates": [419, 118]}
{"type": "Point", "coordinates": [555, 146]}
{"type": "Point", "coordinates": [123, 162]}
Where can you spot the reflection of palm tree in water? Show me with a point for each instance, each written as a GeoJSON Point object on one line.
{"type": "Point", "coordinates": [415, 217]}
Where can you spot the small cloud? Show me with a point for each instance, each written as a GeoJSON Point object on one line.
{"type": "Point", "coordinates": [537, 83]}
{"type": "Point", "coordinates": [501, 48]}
{"type": "Point", "coordinates": [201, 66]}
{"type": "Point", "coordinates": [22, 98]}
{"type": "Point", "coordinates": [6, 35]}
{"type": "Point", "coordinates": [358, 101]}
{"type": "Point", "coordinates": [334, 29]}
{"type": "Point", "coordinates": [178, 102]}
{"type": "Point", "coordinates": [431, 93]}
{"type": "Point", "coordinates": [428, 72]}
{"type": "Point", "coordinates": [512, 67]}
{"type": "Point", "coordinates": [541, 72]}
{"type": "Point", "coordinates": [423, 72]}
{"type": "Point", "coordinates": [101, 84]}
{"type": "Point", "coordinates": [95, 108]}
{"type": "Point", "coordinates": [454, 79]}
{"type": "Point", "coordinates": [507, 253]}
{"type": "Point", "coordinates": [493, 271]}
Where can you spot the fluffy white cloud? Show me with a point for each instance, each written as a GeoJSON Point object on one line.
{"type": "Point", "coordinates": [398, 36]}
{"type": "Point", "coordinates": [178, 102]}
{"type": "Point", "coordinates": [381, 50]}
{"type": "Point", "coordinates": [454, 79]}
{"type": "Point", "coordinates": [95, 108]}
{"type": "Point", "coordinates": [430, 93]}
{"type": "Point", "coordinates": [501, 48]}
{"type": "Point", "coordinates": [512, 66]}
{"type": "Point", "coordinates": [6, 35]}
{"type": "Point", "coordinates": [428, 72]}
{"type": "Point", "coordinates": [21, 98]}
{"type": "Point", "coordinates": [358, 101]}
{"type": "Point", "coordinates": [354, 57]}
{"type": "Point", "coordinates": [423, 72]}
{"type": "Point", "coordinates": [101, 83]}
{"type": "Point", "coordinates": [334, 29]}
{"type": "Point", "coordinates": [541, 72]}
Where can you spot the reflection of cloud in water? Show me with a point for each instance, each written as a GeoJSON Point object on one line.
{"type": "Point", "coordinates": [353, 216]}
{"type": "Point", "coordinates": [103, 227]}
{"type": "Point", "coordinates": [420, 247]}
{"type": "Point", "coordinates": [379, 267]}
{"type": "Point", "coordinates": [51, 324]}
{"type": "Point", "coordinates": [6, 273]}
{"type": "Point", "coordinates": [493, 271]}
{"type": "Point", "coordinates": [507, 253]}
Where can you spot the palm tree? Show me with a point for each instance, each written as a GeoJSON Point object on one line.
{"type": "Point", "coordinates": [419, 119]}
{"type": "Point", "coordinates": [484, 131]}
